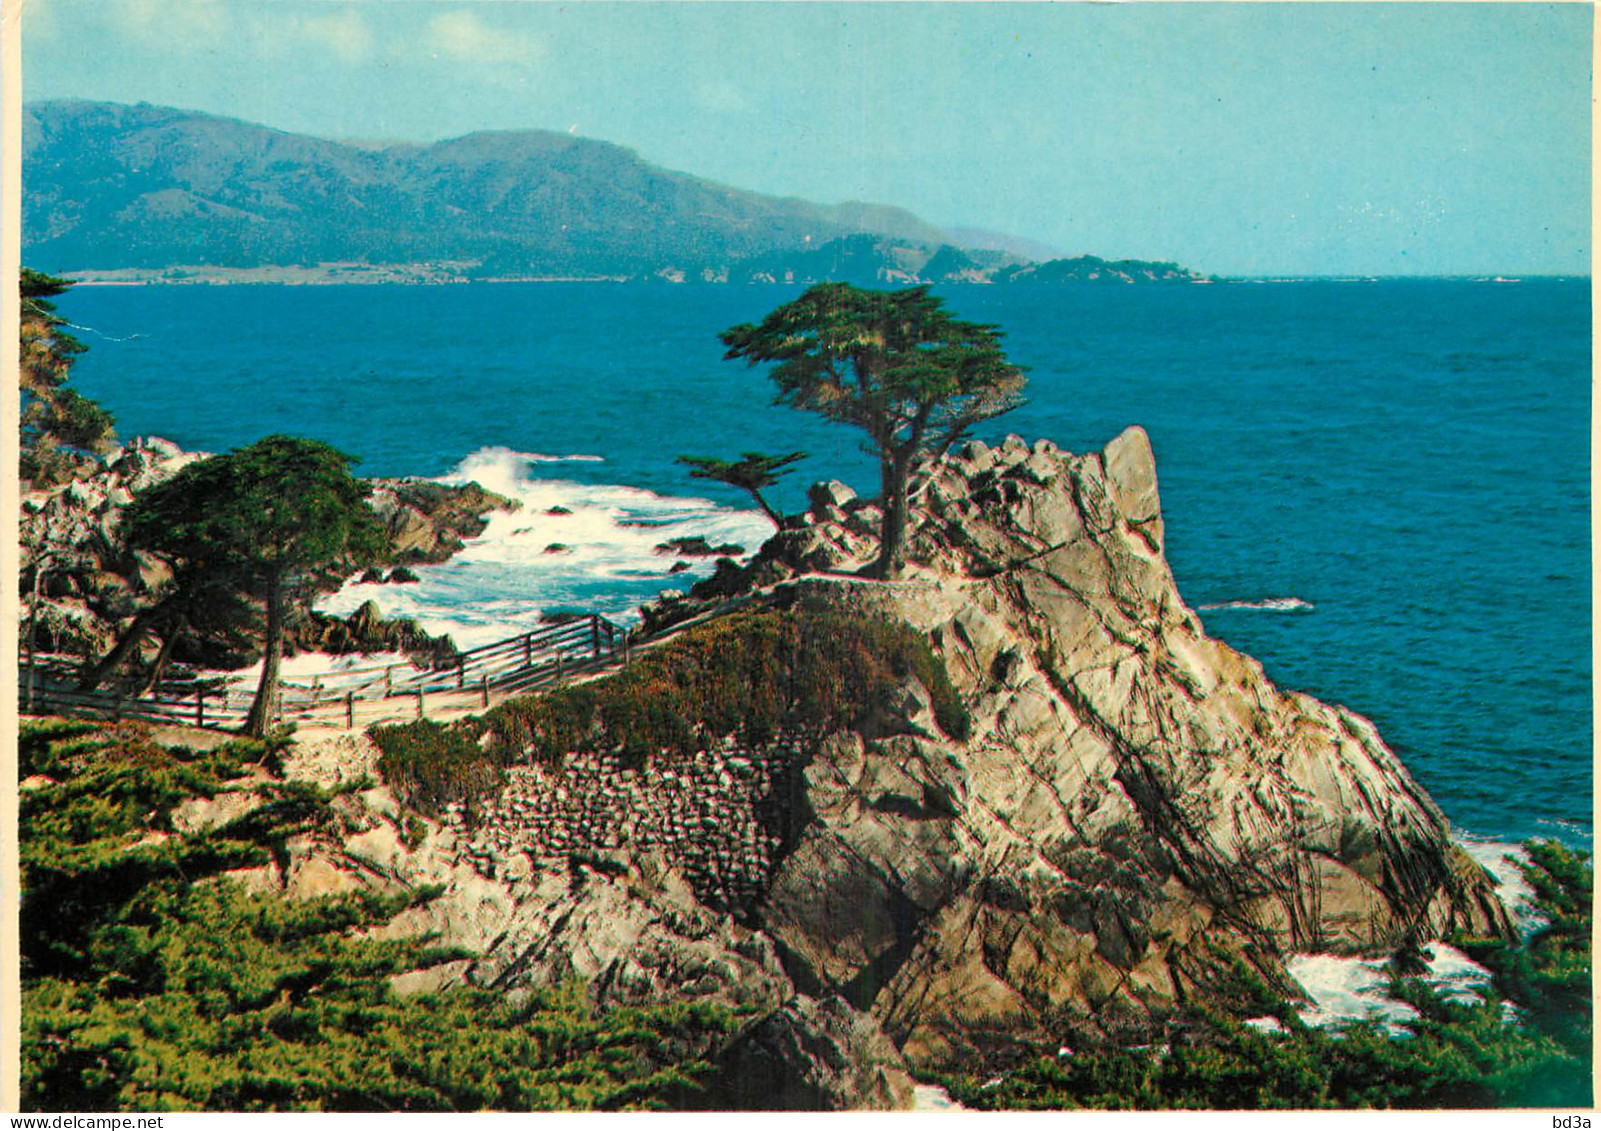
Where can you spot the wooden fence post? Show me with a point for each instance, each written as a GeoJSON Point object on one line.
{"type": "Point", "coordinates": [484, 685]}
{"type": "Point", "coordinates": [528, 649]}
{"type": "Point", "coordinates": [594, 634]}
{"type": "Point", "coordinates": [388, 686]}
{"type": "Point", "coordinates": [350, 710]}
{"type": "Point", "coordinates": [421, 713]}
{"type": "Point", "coordinates": [461, 672]}
{"type": "Point", "coordinates": [200, 706]}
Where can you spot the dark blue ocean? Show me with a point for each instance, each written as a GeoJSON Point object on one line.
{"type": "Point", "coordinates": [1403, 466]}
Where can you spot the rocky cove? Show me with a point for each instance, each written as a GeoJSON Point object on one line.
{"type": "Point", "coordinates": [1134, 814]}
{"type": "Point", "coordinates": [87, 587]}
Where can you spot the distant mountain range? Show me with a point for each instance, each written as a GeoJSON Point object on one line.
{"type": "Point", "coordinates": [153, 192]}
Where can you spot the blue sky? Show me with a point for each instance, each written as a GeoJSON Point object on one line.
{"type": "Point", "coordinates": [1235, 138]}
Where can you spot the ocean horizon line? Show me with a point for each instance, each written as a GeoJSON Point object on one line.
{"type": "Point", "coordinates": [377, 280]}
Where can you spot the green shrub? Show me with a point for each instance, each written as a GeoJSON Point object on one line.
{"type": "Point", "coordinates": [256, 1003]}
{"type": "Point", "coordinates": [1457, 1055]}
{"type": "Point", "coordinates": [749, 675]}
{"type": "Point", "coordinates": [430, 764]}
{"type": "Point", "coordinates": [151, 983]}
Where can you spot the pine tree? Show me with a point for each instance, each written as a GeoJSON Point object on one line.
{"type": "Point", "coordinates": [277, 520]}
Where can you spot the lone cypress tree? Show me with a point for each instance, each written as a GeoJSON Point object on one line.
{"type": "Point", "coordinates": [892, 363]}
{"type": "Point", "coordinates": [279, 519]}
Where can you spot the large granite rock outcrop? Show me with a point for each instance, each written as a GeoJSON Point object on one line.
{"type": "Point", "coordinates": [1140, 805]}
{"type": "Point", "coordinates": [429, 522]}
{"type": "Point", "coordinates": [629, 921]}
{"type": "Point", "coordinates": [1138, 813]}
{"type": "Point", "coordinates": [73, 557]}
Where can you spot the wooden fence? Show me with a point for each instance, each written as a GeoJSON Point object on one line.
{"type": "Point", "coordinates": [544, 658]}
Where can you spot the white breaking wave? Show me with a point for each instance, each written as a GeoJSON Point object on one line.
{"type": "Point", "coordinates": [1502, 861]}
{"type": "Point", "coordinates": [499, 461]}
{"type": "Point", "coordinates": [1354, 989]}
{"type": "Point", "coordinates": [1270, 605]}
{"type": "Point", "coordinates": [332, 672]}
{"type": "Point", "coordinates": [1346, 989]}
{"type": "Point", "coordinates": [571, 546]}
{"type": "Point", "coordinates": [1571, 827]}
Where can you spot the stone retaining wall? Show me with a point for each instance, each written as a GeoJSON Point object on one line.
{"type": "Point", "coordinates": [718, 816]}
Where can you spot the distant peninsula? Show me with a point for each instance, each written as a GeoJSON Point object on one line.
{"type": "Point", "coordinates": [130, 194]}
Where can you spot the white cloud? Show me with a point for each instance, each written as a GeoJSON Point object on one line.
{"type": "Point", "coordinates": [345, 33]}
{"type": "Point", "coordinates": [191, 24]}
{"type": "Point", "coordinates": [462, 35]}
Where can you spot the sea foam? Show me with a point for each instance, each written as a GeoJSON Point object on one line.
{"type": "Point", "coordinates": [1343, 989]}
{"type": "Point", "coordinates": [571, 547]}
{"type": "Point", "coordinates": [1504, 862]}
{"type": "Point", "coordinates": [1267, 605]}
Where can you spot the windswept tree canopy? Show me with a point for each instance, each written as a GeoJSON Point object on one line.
{"type": "Point", "coordinates": [750, 473]}
{"type": "Point", "coordinates": [280, 516]}
{"type": "Point", "coordinates": [52, 349]}
{"type": "Point", "coordinates": [281, 507]}
{"type": "Point", "coordinates": [895, 364]}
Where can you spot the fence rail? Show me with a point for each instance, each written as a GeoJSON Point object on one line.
{"type": "Point", "coordinates": [541, 659]}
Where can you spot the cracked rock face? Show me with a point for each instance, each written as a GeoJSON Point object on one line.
{"type": "Point", "coordinates": [1138, 801]}
{"type": "Point", "coordinates": [626, 920]}
{"type": "Point", "coordinates": [1138, 810]}
{"type": "Point", "coordinates": [71, 548]}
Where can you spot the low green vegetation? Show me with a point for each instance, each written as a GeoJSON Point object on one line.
{"type": "Point", "coordinates": [431, 764]}
{"type": "Point", "coordinates": [151, 982]}
{"type": "Point", "coordinates": [1527, 1045]}
{"type": "Point", "coordinates": [750, 675]}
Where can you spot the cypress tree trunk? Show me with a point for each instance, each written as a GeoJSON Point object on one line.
{"type": "Point", "coordinates": [164, 657]}
{"type": "Point", "coordinates": [95, 673]}
{"type": "Point", "coordinates": [892, 529]}
{"type": "Point", "coordinates": [259, 720]}
{"type": "Point", "coordinates": [772, 515]}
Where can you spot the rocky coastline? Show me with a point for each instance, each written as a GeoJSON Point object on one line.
{"type": "Point", "coordinates": [80, 586]}
{"type": "Point", "coordinates": [1137, 815]}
